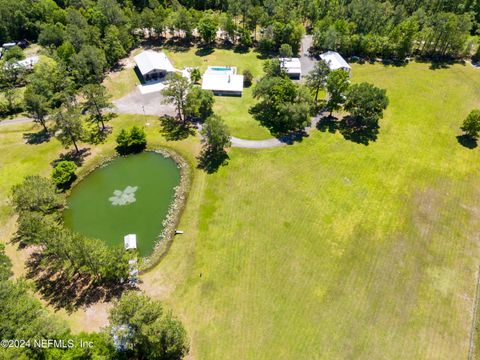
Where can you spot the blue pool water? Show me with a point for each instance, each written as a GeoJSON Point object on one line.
{"type": "Point", "coordinates": [220, 68]}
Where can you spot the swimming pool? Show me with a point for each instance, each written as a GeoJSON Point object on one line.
{"type": "Point", "coordinates": [222, 69]}
{"type": "Point", "coordinates": [217, 68]}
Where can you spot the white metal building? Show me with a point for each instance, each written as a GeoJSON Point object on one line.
{"type": "Point", "coordinates": [292, 67]}
{"type": "Point", "coordinates": [223, 80]}
{"type": "Point", "coordinates": [153, 65]}
{"type": "Point", "coordinates": [335, 61]}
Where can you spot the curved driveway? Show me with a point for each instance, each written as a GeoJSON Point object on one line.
{"type": "Point", "coordinates": [236, 142]}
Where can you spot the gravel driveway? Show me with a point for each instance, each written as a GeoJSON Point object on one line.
{"type": "Point", "coordinates": [307, 61]}
{"type": "Point", "coordinates": [148, 104]}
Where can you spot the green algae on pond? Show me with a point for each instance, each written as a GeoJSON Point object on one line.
{"type": "Point", "coordinates": [130, 195]}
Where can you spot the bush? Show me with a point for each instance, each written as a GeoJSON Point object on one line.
{"type": "Point", "coordinates": [15, 53]}
{"type": "Point", "coordinates": [133, 141]}
{"type": "Point", "coordinates": [245, 38]}
{"type": "Point", "coordinates": [64, 174]}
{"type": "Point", "coordinates": [195, 75]}
{"type": "Point", "coordinates": [285, 51]}
{"type": "Point", "coordinates": [266, 45]}
{"type": "Point", "coordinates": [247, 78]}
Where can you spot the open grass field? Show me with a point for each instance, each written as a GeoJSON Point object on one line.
{"type": "Point", "coordinates": [329, 249]}
{"type": "Point", "coordinates": [326, 249]}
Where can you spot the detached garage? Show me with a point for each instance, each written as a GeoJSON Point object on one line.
{"type": "Point", "coordinates": [335, 61]}
{"type": "Point", "coordinates": [153, 65]}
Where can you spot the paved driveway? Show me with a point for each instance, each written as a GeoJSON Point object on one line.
{"type": "Point", "coordinates": [148, 104]}
{"type": "Point", "coordinates": [307, 61]}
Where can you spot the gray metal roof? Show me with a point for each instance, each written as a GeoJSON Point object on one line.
{"type": "Point", "coordinates": [334, 60]}
{"type": "Point", "coordinates": [149, 60]}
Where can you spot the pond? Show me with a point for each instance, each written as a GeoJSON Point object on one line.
{"type": "Point", "coordinates": [130, 195]}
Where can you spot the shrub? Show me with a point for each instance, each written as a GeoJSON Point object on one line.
{"type": "Point", "coordinates": [195, 75]}
{"type": "Point", "coordinates": [247, 78]}
{"type": "Point", "coordinates": [64, 174]}
{"type": "Point", "coordinates": [245, 38]}
{"type": "Point", "coordinates": [133, 141]}
{"type": "Point", "coordinates": [285, 51]}
{"type": "Point", "coordinates": [266, 45]}
{"type": "Point", "coordinates": [15, 53]}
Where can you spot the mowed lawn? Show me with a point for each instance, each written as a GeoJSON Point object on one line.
{"type": "Point", "coordinates": [234, 110]}
{"type": "Point", "coordinates": [326, 249]}
{"type": "Point", "coordinates": [329, 249]}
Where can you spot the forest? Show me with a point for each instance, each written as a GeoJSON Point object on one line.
{"type": "Point", "coordinates": [105, 29]}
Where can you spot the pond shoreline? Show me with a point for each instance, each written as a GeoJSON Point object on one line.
{"type": "Point", "coordinates": [163, 240]}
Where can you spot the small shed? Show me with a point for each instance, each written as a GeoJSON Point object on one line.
{"type": "Point", "coordinates": [130, 241]}
{"type": "Point", "coordinates": [292, 67]}
{"type": "Point", "coordinates": [153, 65]}
{"type": "Point", "coordinates": [335, 61]}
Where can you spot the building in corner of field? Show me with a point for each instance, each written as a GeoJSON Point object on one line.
{"type": "Point", "coordinates": [335, 61]}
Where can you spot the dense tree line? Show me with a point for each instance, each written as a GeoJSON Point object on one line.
{"type": "Point", "coordinates": [92, 35]}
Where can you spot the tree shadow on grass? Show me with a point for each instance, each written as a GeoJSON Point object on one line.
{"type": "Point", "coordinates": [37, 137]}
{"type": "Point", "coordinates": [357, 133]}
{"type": "Point", "coordinates": [241, 49]}
{"type": "Point", "coordinates": [350, 129]}
{"type": "Point", "coordinates": [467, 141]}
{"type": "Point", "coordinates": [328, 123]}
{"type": "Point", "coordinates": [70, 291]}
{"type": "Point", "coordinates": [225, 44]}
{"type": "Point", "coordinates": [178, 44]}
{"type": "Point", "coordinates": [96, 136]}
{"type": "Point", "coordinates": [210, 161]}
{"type": "Point", "coordinates": [173, 130]}
{"type": "Point", "coordinates": [395, 62]}
{"type": "Point", "coordinates": [293, 137]}
{"type": "Point", "coordinates": [205, 50]}
{"type": "Point", "coordinates": [77, 157]}
{"type": "Point", "coordinates": [437, 62]}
